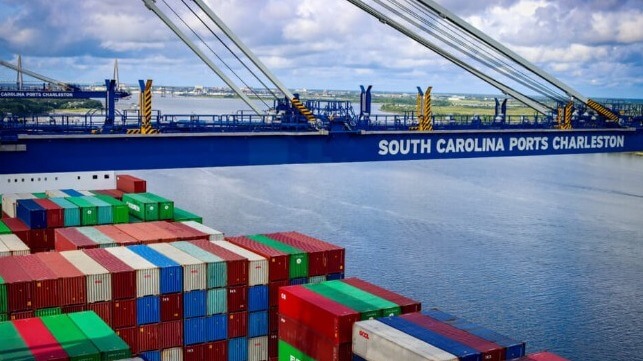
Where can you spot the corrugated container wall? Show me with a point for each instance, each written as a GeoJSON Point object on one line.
{"type": "Point", "coordinates": [213, 233]}
{"type": "Point", "coordinates": [147, 274]}
{"type": "Point", "coordinates": [18, 285]}
{"type": "Point", "coordinates": [97, 237]}
{"type": "Point", "coordinates": [257, 265]}
{"type": "Point", "coordinates": [258, 348]}
{"type": "Point", "coordinates": [194, 270]}
{"type": "Point", "coordinates": [123, 276]}
{"type": "Point", "coordinates": [45, 282]}
{"type": "Point", "coordinates": [72, 286]}
{"type": "Point", "coordinates": [171, 273]}
{"type": "Point", "coordinates": [217, 273]}
{"type": "Point", "coordinates": [14, 244]}
{"type": "Point", "coordinates": [172, 354]}
{"type": "Point", "coordinates": [238, 349]}
{"type": "Point", "coordinates": [71, 212]}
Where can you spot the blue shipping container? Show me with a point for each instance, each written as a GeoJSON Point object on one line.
{"type": "Point", "coordinates": [238, 349]}
{"type": "Point", "coordinates": [216, 327]}
{"type": "Point", "coordinates": [195, 303]}
{"type": "Point", "coordinates": [298, 281]}
{"type": "Point", "coordinates": [258, 324]}
{"type": "Point", "coordinates": [72, 193]}
{"type": "Point", "coordinates": [258, 298]}
{"type": "Point", "coordinates": [194, 331]}
{"type": "Point", "coordinates": [357, 358]}
{"type": "Point", "coordinates": [463, 352]}
{"type": "Point", "coordinates": [171, 273]}
{"type": "Point", "coordinates": [515, 349]}
{"type": "Point", "coordinates": [33, 215]}
{"type": "Point", "coordinates": [335, 276]}
{"type": "Point", "coordinates": [439, 315]}
{"type": "Point", "coordinates": [71, 211]}
{"type": "Point", "coordinates": [151, 355]}
{"type": "Point", "coordinates": [148, 310]}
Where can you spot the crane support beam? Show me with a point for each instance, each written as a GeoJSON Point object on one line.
{"type": "Point", "coordinates": [152, 6]}
{"type": "Point", "coordinates": [445, 54]}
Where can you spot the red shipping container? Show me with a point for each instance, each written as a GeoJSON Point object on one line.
{"type": "Point", "coordinates": [311, 343]}
{"type": "Point", "coordinates": [170, 334]}
{"type": "Point", "coordinates": [237, 324]}
{"type": "Point", "coordinates": [317, 257]}
{"type": "Point", "coordinates": [123, 276]}
{"type": "Point", "coordinates": [215, 350]}
{"type": "Point", "coordinates": [237, 265]}
{"type": "Point", "coordinates": [21, 315]}
{"type": "Point", "coordinates": [181, 231]}
{"type": "Point", "coordinates": [273, 345]}
{"type": "Point", "coordinates": [38, 239]}
{"type": "Point", "coordinates": [73, 308]}
{"type": "Point", "coordinates": [103, 310]}
{"type": "Point", "coordinates": [171, 307]}
{"type": "Point", "coordinates": [55, 213]}
{"type": "Point", "coordinates": [42, 344]}
{"type": "Point", "coordinates": [148, 337]}
{"type": "Point", "coordinates": [273, 320]}
{"type": "Point", "coordinates": [278, 261]}
{"type": "Point", "coordinates": [69, 239]}
{"type": "Point", "coordinates": [194, 352]}
{"type": "Point", "coordinates": [49, 242]}
{"type": "Point", "coordinates": [328, 318]}
{"type": "Point", "coordinates": [117, 235]}
{"type": "Point", "coordinates": [114, 193]}
{"type": "Point", "coordinates": [406, 304]}
{"type": "Point", "coordinates": [130, 336]}
{"type": "Point", "coordinates": [18, 283]}
{"type": "Point", "coordinates": [237, 298]}
{"type": "Point", "coordinates": [273, 292]}
{"type": "Point", "coordinates": [542, 356]}
{"type": "Point", "coordinates": [124, 313]}
{"type": "Point", "coordinates": [45, 282]}
{"type": "Point", "coordinates": [489, 350]}
{"type": "Point", "coordinates": [163, 233]}
{"type": "Point", "coordinates": [19, 228]}
{"type": "Point", "coordinates": [141, 236]}
{"type": "Point", "coordinates": [335, 255]}
{"type": "Point", "coordinates": [130, 184]}
{"type": "Point", "coordinates": [72, 286]}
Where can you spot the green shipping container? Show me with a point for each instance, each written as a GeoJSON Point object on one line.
{"type": "Point", "coordinates": [77, 346]}
{"type": "Point", "coordinates": [48, 312]}
{"type": "Point", "coordinates": [71, 212]}
{"type": "Point", "coordinates": [217, 301]}
{"type": "Point", "coordinates": [298, 266]}
{"type": "Point", "coordinates": [216, 268]}
{"type": "Point", "coordinates": [40, 195]}
{"type": "Point", "coordinates": [3, 296]}
{"type": "Point", "coordinates": [12, 346]}
{"type": "Point", "coordinates": [4, 317]}
{"type": "Point", "coordinates": [141, 207]}
{"type": "Point", "coordinates": [288, 353]}
{"type": "Point", "coordinates": [88, 211]}
{"type": "Point", "coordinates": [120, 211]}
{"type": "Point", "coordinates": [97, 236]}
{"type": "Point", "coordinates": [111, 346]}
{"type": "Point", "coordinates": [181, 215]}
{"type": "Point", "coordinates": [388, 308]}
{"type": "Point", "coordinates": [104, 209]}
{"type": "Point", "coordinates": [166, 206]}
{"type": "Point", "coordinates": [4, 229]}
{"type": "Point", "coordinates": [365, 309]}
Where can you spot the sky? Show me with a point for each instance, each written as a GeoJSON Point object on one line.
{"type": "Point", "coordinates": [594, 46]}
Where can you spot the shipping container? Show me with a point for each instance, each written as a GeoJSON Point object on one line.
{"type": "Point", "coordinates": [297, 261]}
{"type": "Point", "coordinates": [194, 270]}
{"type": "Point", "coordinates": [298, 281]}
{"type": "Point", "coordinates": [328, 318]}
{"type": "Point", "coordinates": [258, 324]}
{"type": "Point", "coordinates": [72, 285]}
{"type": "Point", "coordinates": [194, 331]}
{"type": "Point", "coordinates": [181, 215]}
{"type": "Point", "coordinates": [4, 250]}
{"type": "Point", "coordinates": [71, 338]}
{"type": "Point", "coordinates": [69, 239]}
{"type": "Point", "coordinates": [124, 313]}
{"type": "Point", "coordinates": [3, 228]}
{"type": "Point", "coordinates": [71, 212]}
{"type": "Point", "coordinates": [14, 244]}
{"type": "Point", "coordinates": [113, 193]}
{"type": "Point", "coordinates": [273, 292]}
{"type": "Point", "coordinates": [72, 192]}
{"type": "Point", "coordinates": [194, 304]}
{"type": "Point", "coordinates": [171, 307]}
{"type": "Point", "coordinates": [22, 315]}
{"type": "Point", "coordinates": [20, 229]}
{"type": "Point", "coordinates": [47, 312]}
{"type": "Point", "coordinates": [406, 304]}
{"type": "Point", "coordinates": [236, 265]}
{"type": "Point", "coordinates": [103, 310]}
{"type": "Point", "coordinates": [181, 231]}
{"type": "Point", "coordinates": [216, 327]}
{"type": "Point", "coordinates": [130, 336]}
{"type": "Point", "coordinates": [273, 346]}
{"type": "Point", "coordinates": [217, 301]}
{"type": "Point", "coordinates": [141, 207]}
{"type": "Point", "coordinates": [56, 193]}
{"type": "Point", "coordinates": [542, 356]}
{"type": "Point", "coordinates": [123, 276]}
{"type": "Point", "coordinates": [18, 286]}
{"type": "Point", "coordinates": [148, 337]}
{"type": "Point", "coordinates": [151, 355]}
{"type": "Point", "coordinates": [98, 237]}
{"type": "Point", "coordinates": [106, 341]}
{"type": "Point", "coordinates": [335, 255]}
{"type": "Point", "coordinates": [317, 256]}
{"type": "Point", "coordinates": [148, 310]}
{"type": "Point", "coordinates": [462, 352]}
{"type": "Point", "coordinates": [278, 261]}
{"type": "Point", "coordinates": [9, 201]}
{"type": "Point", "coordinates": [170, 334]}
{"type": "Point", "coordinates": [147, 274]}
{"type": "Point", "coordinates": [88, 211]}
{"type": "Point", "coordinates": [312, 344]}
{"type": "Point", "coordinates": [316, 279]}
{"type": "Point", "coordinates": [366, 309]}
{"type": "Point", "coordinates": [171, 273]}
{"type": "Point", "coordinates": [73, 308]}
{"type": "Point", "coordinates": [104, 210]}
{"type": "Point", "coordinates": [258, 348]}
{"type": "Point", "coordinates": [237, 298]}
{"type": "Point", "coordinates": [258, 298]}
{"type": "Point", "coordinates": [130, 184]}
{"type": "Point", "coordinates": [3, 297]}
{"type": "Point", "coordinates": [238, 349]}
{"type": "Point", "coordinates": [41, 342]}
{"type": "Point", "coordinates": [55, 214]}
{"type": "Point", "coordinates": [216, 267]}
{"type": "Point", "coordinates": [195, 352]}
{"type": "Point", "coordinates": [273, 320]}
{"type": "Point", "coordinates": [166, 206]}
{"type": "Point", "coordinates": [172, 354]}
{"type": "Point", "coordinates": [376, 341]}
{"type": "Point", "coordinates": [257, 265]}
{"type": "Point", "coordinates": [388, 308]}
{"type": "Point", "coordinates": [216, 350]}
{"type": "Point", "coordinates": [213, 234]}
{"type": "Point", "coordinates": [288, 353]}
{"type": "Point", "coordinates": [120, 237]}
{"type": "Point", "coordinates": [237, 324]}
{"type": "Point", "coordinates": [120, 210]}
{"type": "Point", "coordinates": [334, 276]}
{"type": "Point", "coordinates": [140, 232]}
{"type": "Point", "coordinates": [45, 283]}
{"type": "Point", "coordinates": [13, 347]}
{"type": "Point", "coordinates": [488, 350]}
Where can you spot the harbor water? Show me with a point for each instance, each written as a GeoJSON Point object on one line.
{"type": "Point", "coordinates": [544, 249]}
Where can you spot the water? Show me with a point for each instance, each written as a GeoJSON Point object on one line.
{"type": "Point", "coordinates": [543, 249]}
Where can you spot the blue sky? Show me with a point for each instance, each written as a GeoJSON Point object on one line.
{"type": "Point", "coordinates": [595, 46]}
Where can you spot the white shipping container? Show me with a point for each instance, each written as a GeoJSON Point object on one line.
{"type": "Point", "coordinates": [375, 341]}
{"type": "Point", "coordinates": [194, 270]}
{"type": "Point", "coordinates": [15, 244]}
{"type": "Point", "coordinates": [213, 233]}
{"type": "Point", "coordinates": [148, 281]}
{"type": "Point", "coordinates": [56, 193]}
{"type": "Point", "coordinates": [172, 354]}
{"type": "Point", "coordinates": [99, 280]}
{"type": "Point", "coordinates": [257, 265]}
{"type": "Point", "coordinates": [86, 193]}
{"type": "Point", "coordinates": [10, 201]}
{"type": "Point", "coordinates": [258, 348]}
{"type": "Point", "coordinates": [4, 250]}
